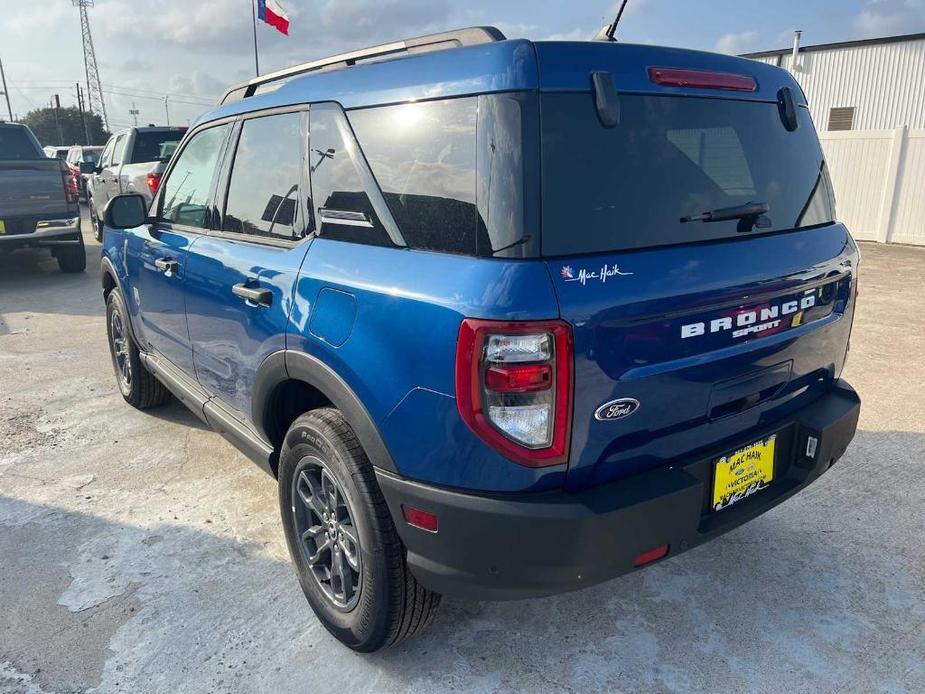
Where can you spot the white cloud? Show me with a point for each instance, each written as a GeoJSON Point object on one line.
{"type": "Point", "coordinates": [889, 17]}
{"type": "Point", "coordinates": [573, 35]}
{"type": "Point", "coordinates": [736, 43]}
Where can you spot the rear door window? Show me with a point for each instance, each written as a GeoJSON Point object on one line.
{"type": "Point", "coordinates": [342, 207]}
{"type": "Point", "coordinates": [263, 193]}
{"type": "Point", "coordinates": [669, 158]}
{"type": "Point", "coordinates": [185, 194]}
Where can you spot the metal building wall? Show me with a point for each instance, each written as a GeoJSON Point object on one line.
{"type": "Point", "coordinates": [884, 82]}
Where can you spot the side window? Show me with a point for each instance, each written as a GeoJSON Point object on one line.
{"type": "Point", "coordinates": [423, 156]}
{"type": "Point", "coordinates": [264, 190]}
{"type": "Point", "coordinates": [185, 193]}
{"type": "Point", "coordinates": [106, 156]}
{"type": "Point", "coordinates": [342, 207]}
{"type": "Point", "coordinates": [118, 152]}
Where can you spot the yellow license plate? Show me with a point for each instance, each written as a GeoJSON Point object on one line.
{"type": "Point", "coordinates": [739, 475]}
{"type": "Point", "coordinates": [2, 227]}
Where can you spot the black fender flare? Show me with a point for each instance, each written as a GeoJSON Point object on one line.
{"type": "Point", "coordinates": [292, 365]}
{"type": "Point", "coordinates": [108, 268]}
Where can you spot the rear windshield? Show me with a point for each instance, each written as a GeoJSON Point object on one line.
{"type": "Point", "coordinates": [154, 145]}
{"type": "Point", "coordinates": [90, 156]}
{"type": "Point", "coordinates": [672, 158]}
{"type": "Point", "coordinates": [16, 144]}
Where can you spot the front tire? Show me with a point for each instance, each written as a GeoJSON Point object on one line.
{"type": "Point", "coordinates": [138, 386]}
{"type": "Point", "coordinates": [347, 553]}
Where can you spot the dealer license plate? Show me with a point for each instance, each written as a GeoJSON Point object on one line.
{"type": "Point", "coordinates": [745, 472]}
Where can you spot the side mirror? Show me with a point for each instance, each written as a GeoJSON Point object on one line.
{"type": "Point", "coordinates": [87, 167]}
{"type": "Point", "coordinates": [126, 211]}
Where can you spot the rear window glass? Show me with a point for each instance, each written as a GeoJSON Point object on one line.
{"type": "Point", "coordinates": [154, 145]}
{"type": "Point", "coordinates": [669, 158]}
{"type": "Point", "coordinates": [16, 144]}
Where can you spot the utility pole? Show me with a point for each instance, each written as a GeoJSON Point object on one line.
{"type": "Point", "coordinates": [56, 105]}
{"type": "Point", "coordinates": [6, 93]}
{"type": "Point", "coordinates": [133, 112]}
{"type": "Point", "coordinates": [83, 119]}
{"type": "Point", "coordinates": [95, 101]}
{"type": "Point", "coordinates": [166, 109]}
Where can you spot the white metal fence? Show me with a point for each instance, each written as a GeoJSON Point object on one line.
{"type": "Point", "coordinates": [879, 180]}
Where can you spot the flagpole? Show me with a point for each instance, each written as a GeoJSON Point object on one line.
{"type": "Point", "coordinates": [254, 21]}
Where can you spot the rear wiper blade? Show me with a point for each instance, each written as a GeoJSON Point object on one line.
{"type": "Point", "coordinates": [723, 214]}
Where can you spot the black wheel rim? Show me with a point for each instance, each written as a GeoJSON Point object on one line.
{"type": "Point", "coordinates": [326, 533]}
{"type": "Point", "coordinates": [120, 355]}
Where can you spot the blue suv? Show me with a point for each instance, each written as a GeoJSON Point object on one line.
{"type": "Point", "coordinates": [504, 318]}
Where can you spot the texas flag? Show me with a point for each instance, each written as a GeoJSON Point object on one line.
{"type": "Point", "coordinates": [269, 11]}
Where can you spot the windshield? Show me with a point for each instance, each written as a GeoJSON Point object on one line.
{"type": "Point", "coordinates": [91, 156]}
{"type": "Point", "coordinates": [154, 145]}
{"type": "Point", "coordinates": [651, 179]}
{"type": "Point", "coordinates": [16, 144]}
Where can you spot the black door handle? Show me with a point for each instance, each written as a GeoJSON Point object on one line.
{"type": "Point", "coordinates": [253, 296]}
{"type": "Point", "coordinates": [168, 266]}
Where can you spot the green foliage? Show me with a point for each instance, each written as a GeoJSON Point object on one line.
{"type": "Point", "coordinates": [42, 123]}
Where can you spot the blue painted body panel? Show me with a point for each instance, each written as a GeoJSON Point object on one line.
{"type": "Point", "coordinates": [229, 338]}
{"type": "Point", "coordinates": [386, 320]}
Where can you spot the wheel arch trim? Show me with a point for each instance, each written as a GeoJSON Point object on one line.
{"type": "Point", "coordinates": [292, 365]}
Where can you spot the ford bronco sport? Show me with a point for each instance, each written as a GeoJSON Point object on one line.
{"type": "Point", "coordinates": [504, 318]}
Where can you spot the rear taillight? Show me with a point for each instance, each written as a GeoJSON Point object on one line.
{"type": "Point", "coordinates": [702, 79]}
{"type": "Point", "coordinates": [153, 180]}
{"type": "Point", "coordinates": [71, 190]}
{"type": "Point", "coordinates": [514, 387]}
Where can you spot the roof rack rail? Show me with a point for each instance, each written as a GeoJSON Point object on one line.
{"type": "Point", "coordinates": [420, 44]}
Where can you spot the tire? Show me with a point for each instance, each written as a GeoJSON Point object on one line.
{"type": "Point", "coordinates": [140, 388]}
{"type": "Point", "coordinates": [72, 258]}
{"type": "Point", "coordinates": [388, 604]}
{"type": "Point", "coordinates": [94, 221]}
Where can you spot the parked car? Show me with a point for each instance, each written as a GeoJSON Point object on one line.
{"type": "Point", "coordinates": [55, 152]}
{"type": "Point", "coordinates": [504, 318]}
{"type": "Point", "coordinates": [132, 161]}
{"type": "Point", "coordinates": [38, 200]}
{"type": "Point", "coordinates": [83, 160]}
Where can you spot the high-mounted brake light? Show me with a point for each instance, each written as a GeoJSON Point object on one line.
{"type": "Point", "coordinates": [702, 79]}
{"type": "Point", "coordinates": [514, 387]}
{"type": "Point", "coordinates": [153, 180]}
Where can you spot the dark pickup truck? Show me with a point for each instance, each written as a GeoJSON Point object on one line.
{"type": "Point", "coordinates": [38, 200]}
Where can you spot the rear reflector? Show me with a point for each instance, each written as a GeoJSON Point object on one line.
{"type": "Point", "coordinates": [650, 556]}
{"type": "Point", "coordinates": [702, 79]}
{"type": "Point", "coordinates": [420, 519]}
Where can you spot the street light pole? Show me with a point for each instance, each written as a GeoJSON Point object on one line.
{"type": "Point", "coordinates": [166, 109]}
{"type": "Point", "coordinates": [6, 92]}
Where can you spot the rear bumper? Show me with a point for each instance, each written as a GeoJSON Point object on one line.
{"type": "Point", "coordinates": [48, 232]}
{"type": "Point", "coordinates": [528, 545]}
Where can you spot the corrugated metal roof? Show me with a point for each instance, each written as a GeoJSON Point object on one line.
{"type": "Point", "coordinates": [838, 44]}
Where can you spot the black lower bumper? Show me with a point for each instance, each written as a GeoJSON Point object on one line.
{"type": "Point", "coordinates": [518, 546]}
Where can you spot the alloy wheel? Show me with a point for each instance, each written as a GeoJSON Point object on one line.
{"type": "Point", "coordinates": [328, 537]}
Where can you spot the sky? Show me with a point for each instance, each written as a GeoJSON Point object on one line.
{"type": "Point", "coordinates": [191, 50]}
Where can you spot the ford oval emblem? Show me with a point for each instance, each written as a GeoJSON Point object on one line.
{"type": "Point", "coordinates": [616, 409]}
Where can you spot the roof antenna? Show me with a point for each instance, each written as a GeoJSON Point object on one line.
{"type": "Point", "coordinates": [607, 33]}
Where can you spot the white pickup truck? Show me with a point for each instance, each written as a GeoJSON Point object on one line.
{"type": "Point", "coordinates": [133, 161]}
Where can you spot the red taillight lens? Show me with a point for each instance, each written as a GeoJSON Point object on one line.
{"type": "Point", "coordinates": [650, 556]}
{"type": "Point", "coordinates": [514, 387]}
{"type": "Point", "coordinates": [702, 79]}
{"type": "Point", "coordinates": [420, 519]}
{"type": "Point", "coordinates": [71, 190]}
{"type": "Point", "coordinates": [153, 180]}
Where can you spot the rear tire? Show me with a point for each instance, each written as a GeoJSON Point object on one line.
{"type": "Point", "coordinates": [320, 454]}
{"type": "Point", "coordinates": [94, 221]}
{"type": "Point", "coordinates": [72, 258]}
{"type": "Point", "coordinates": [138, 386]}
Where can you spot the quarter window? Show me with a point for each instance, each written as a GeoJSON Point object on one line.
{"type": "Point", "coordinates": [342, 206]}
{"type": "Point", "coordinates": [185, 193]}
{"type": "Point", "coordinates": [265, 178]}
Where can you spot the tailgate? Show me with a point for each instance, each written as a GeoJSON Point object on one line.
{"type": "Point", "coordinates": [711, 340]}
{"type": "Point", "coordinates": [31, 188]}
